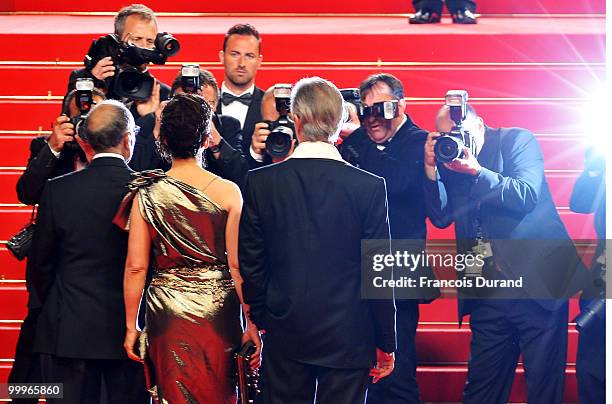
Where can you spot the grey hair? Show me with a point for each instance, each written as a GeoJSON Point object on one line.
{"type": "Point", "coordinates": [110, 132]}
{"type": "Point", "coordinates": [319, 104]}
{"type": "Point", "coordinates": [142, 11]}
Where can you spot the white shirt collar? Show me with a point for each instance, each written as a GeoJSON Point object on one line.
{"type": "Point", "coordinates": [316, 150]}
{"type": "Point", "coordinates": [224, 89]}
{"type": "Point", "coordinates": [115, 155]}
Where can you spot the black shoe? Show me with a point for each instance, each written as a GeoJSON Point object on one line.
{"type": "Point", "coordinates": [425, 17]}
{"type": "Point", "coordinates": [464, 17]}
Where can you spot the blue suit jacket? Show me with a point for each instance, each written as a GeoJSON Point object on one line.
{"type": "Point", "coordinates": [517, 214]}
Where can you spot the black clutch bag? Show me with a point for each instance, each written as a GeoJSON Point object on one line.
{"type": "Point", "coordinates": [247, 378]}
{"type": "Point", "coordinates": [21, 243]}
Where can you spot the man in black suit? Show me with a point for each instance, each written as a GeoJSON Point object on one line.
{"type": "Point", "coordinates": [135, 24]}
{"type": "Point", "coordinates": [49, 158]}
{"type": "Point", "coordinates": [499, 200]}
{"type": "Point", "coordinates": [224, 155]}
{"type": "Point", "coordinates": [240, 98]}
{"type": "Point", "coordinates": [392, 147]}
{"type": "Point", "coordinates": [78, 260]}
{"type": "Point", "coordinates": [300, 254]}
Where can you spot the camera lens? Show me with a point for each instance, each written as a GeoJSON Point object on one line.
{"type": "Point", "coordinates": [278, 143]}
{"type": "Point", "coordinates": [447, 149]}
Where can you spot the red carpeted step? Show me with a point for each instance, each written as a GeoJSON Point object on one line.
{"type": "Point", "coordinates": [554, 116]}
{"type": "Point", "coordinates": [15, 153]}
{"type": "Point", "coordinates": [445, 384]}
{"type": "Point", "coordinates": [10, 268]}
{"type": "Point", "coordinates": [8, 180]}
{"type": "Point", "coordinates": [9, 332]}
{"type": "Point", "coordinates": [13, 301]}
{"type": "Point", "coordinates": [419, 81]}
{"type": "Point", "coordinates": [312, 6]}
{"type": "Point", "coordinates": [336, 39]}
{"type": "Point", "coordinates": [433, 340]}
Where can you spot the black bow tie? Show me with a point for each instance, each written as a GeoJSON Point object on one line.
{"type": "Point", "coordinates": [227, 98]}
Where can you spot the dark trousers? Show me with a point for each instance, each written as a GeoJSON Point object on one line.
{"type": "Point", "coordinates": [288, 381]}
{"type": "Point", "coordinates": [26, 367]}
{"type": "Point", "coordinates": [401, 387]}
{"type": "Point", "coordinates": [83, 378]}
{"type": "Point", "coordinates": [435, 6]}
{"type": "Point", "coordinates": [501, 329]}
{"type": "Point", "coordinates": [591, 361]}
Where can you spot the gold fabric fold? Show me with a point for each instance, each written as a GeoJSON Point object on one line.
{"type": "Point", "coordinates": [193, 312]}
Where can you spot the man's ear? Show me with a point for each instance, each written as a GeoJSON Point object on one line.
{"type": "Point", "coordinates": [401, 106]}
{"type": "Point", "coordinates": [221, 54]}
{"type": "Point", "coordinates": [89, 152]}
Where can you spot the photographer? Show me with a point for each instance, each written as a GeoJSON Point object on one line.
{"type": "Point", "coordinates": [390, 145]}
{"type": "Point", "coordinates": [589, 196]}
{"type": "Point", "coordinates": [55, 155]}
{"type": "Point", "coordinates": [273, 102]}
{"type": "Point", "coordinates": [134, 25]}
{"type": "Point", "coordinates": [224, 155]}
{"type": "Point", "coordinates": [495, 193]}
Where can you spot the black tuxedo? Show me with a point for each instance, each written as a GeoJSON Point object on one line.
{"type": "Point", "coordinates": [253, 116]}
{"type": "Point", "coordinates": [300, 234]}
{"type": "Point", "coordinates": [509, 203]}
{"type": "Point", "coordinates": [231, 164]}
{"type": "Point", "coordinates": [78, 259]}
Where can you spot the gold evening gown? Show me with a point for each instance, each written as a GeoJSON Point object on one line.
{"type": "Point", "coordinates": [193, 312]}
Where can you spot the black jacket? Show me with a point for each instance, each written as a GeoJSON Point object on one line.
{"type": "Point", "coordinates": [78, 263]}
{"type": "Point", "coordinates": [253, 116]}
{"type": "Point", "coordinates": [401, 165]}
{"type": "Point", "coordinates": [516, 213]}
{"type": "Point", "coordinates": [300, 256]}
{"type": "Point", "coordinates": [231, 164]}
{"type": "Point", "coordinates": [42, 165]}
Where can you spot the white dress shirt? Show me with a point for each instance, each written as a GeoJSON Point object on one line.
{"type": "Point", "coordinates": [236, 109]}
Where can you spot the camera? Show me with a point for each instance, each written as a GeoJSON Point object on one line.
{"type": "Point", "coordinates": [383, 109]}
{"type": "Point", "coordinates": [282, 131]}
{"type": "Point", "coordinates": [190, 78]}
{"type": "Point", "coordinates": [83, 99]}
{"type": "Point", "coordinates": [449, 146]}
{"type": "Point", "coordinates": [128, 81]}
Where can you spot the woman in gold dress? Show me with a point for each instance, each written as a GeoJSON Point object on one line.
{"type": "Point", "coordinates": [191, 218]}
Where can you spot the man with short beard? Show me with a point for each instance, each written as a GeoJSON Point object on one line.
{"type": "Point", "coordinates": [240, 98]}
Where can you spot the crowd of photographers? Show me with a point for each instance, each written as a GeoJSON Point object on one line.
{"type": "Point", "coordinates": [489, 182]}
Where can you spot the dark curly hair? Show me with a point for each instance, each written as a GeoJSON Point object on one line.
{"type": "Point", "coordinates": [185, 122]}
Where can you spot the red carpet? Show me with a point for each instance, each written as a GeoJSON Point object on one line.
{"type": "Point", "coordinates": [530, 71]}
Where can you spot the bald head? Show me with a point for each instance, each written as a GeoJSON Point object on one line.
{"type": "Point", "coordinates": [106, 126]}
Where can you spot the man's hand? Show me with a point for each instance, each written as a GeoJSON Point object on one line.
{"type": "Point", "coordinates": [467, 165]}
{"type": "Point", "coordinates": [430, 157]}
{"type": "Point", "coordinates": [62, 132]}
{"type": "Point", "coordinates": [352, 123]}
{"type": "Point", "coordinates": [260, 134]}
{"type": "Point", "coordinates": [104, 68]}
{"type": "Point", "coordinates": [150, 105]}
{"type": "Point", "coordinates": [384, 365]}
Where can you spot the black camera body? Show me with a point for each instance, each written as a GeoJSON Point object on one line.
{"type": "Point", "coordinates": [128, 81]}
{"type": "Point", "coordinates": [352, 96]}
{"type": "Point", "coordinates": [83, 99]}
{"type": "Point", "coordinates": [449, 146]}
{"type": "Point", "coordinates": [282, 131]}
